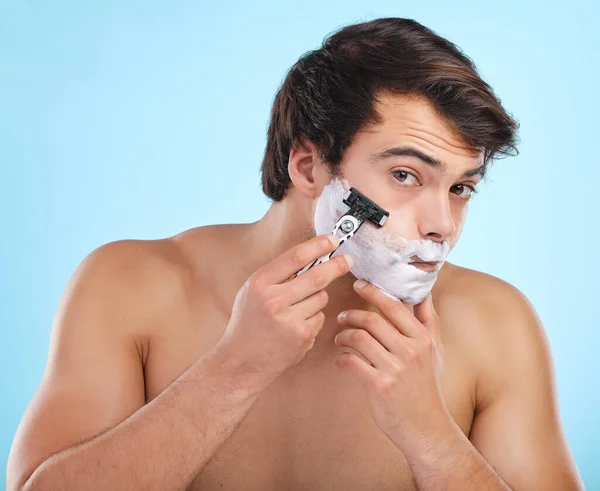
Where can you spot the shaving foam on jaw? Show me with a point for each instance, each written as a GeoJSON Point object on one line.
{"type": "Point", "coordinates": [379, 258]}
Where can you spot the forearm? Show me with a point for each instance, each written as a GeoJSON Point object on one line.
{"type": "Point", "coordinates": [164, 444]}
{"type": "Point", "coordinates": [452, 463]}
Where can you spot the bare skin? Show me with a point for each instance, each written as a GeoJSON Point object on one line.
{"type": "Point", "coordinates": [142, 392]}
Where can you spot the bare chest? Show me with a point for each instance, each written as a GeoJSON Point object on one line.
{"type": "Point", "coordinates": [312, 428]}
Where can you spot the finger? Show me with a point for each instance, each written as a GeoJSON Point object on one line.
{"type": "Point", "coordinates": [392, 309]}
{"type": "Point", "coordinates": [378, 327]}
{"type": "Point", "coordinates": [317, 278]}
{"type": "Point", "coordinates": [294, 259]}
{"type": "Point", "coordinates": [357, 366]}
{"type": "Point", "coordinates": [365, 344]}
{"type": "Point", "coordinates": [426, 314]}
{"type": "Point", "coordinates": [311, 305]}
{"type": "Point", "coordinates": [315, 323]}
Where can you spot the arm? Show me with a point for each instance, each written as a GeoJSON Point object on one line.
{"type": "Point", "coordinates": [518, 428]}
{"type": "Point", "coordinates": [87, 426]}
{"type": "Point", "coordinates": [516, 432]}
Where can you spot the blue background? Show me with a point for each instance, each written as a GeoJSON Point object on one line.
{"type": "Point", "coordinates": [125, 120]}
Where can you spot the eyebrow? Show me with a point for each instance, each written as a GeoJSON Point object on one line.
{"type": "Point", "coordinates": [427, 159]}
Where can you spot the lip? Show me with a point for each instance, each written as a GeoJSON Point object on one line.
{"type": "Point", "coordinates": [429, 266]}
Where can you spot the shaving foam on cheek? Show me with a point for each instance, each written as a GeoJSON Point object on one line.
{"type": "Point", "coordinates": [378, 258]}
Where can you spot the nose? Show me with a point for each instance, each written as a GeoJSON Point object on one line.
{"type": "Point", "coordinates": [435, 218]}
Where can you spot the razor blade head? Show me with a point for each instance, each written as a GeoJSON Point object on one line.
{"type": "Point", "coordinates": [364, 209]}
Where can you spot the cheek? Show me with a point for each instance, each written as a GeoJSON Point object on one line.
{"type": "Point", "coordinates": [459, 215]}
{"type": "Point", "coordinates": [401, 223]}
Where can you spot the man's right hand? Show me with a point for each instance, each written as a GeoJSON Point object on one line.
{"type": "Point", "coordinates": [275, 319]}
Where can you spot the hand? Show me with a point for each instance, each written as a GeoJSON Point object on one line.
{"type": "Point", "coordinates": [275, 319]}
{"type": "Point", "coordinates": [400, 365]}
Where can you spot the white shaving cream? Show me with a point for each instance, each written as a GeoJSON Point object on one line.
{"type": "Point", "coordinates": [379, 258]}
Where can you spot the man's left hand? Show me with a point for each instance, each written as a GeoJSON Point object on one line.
{"type": "Point", "coordinates": [403, 371]}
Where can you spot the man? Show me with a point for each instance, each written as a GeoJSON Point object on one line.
{"type": "Point", "coordinates": [203, 362]}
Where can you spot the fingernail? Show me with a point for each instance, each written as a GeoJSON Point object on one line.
{"type": "Point", "coordinates": [341, 315]}
{"type": "Point", "coordinates": [334, 239]}
{"type": "Point", "coordinates": [349, 260]}
{"type": "Point", "coordinates": [360, 284]}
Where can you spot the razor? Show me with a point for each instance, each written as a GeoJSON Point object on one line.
{"type": "Point", "coordinates": [362, 209]}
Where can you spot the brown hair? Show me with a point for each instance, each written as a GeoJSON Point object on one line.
{"type": "Point", "coordinates": [329, 93]}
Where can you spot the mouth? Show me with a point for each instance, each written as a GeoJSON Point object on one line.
{"type": "Point", "coordinates": [429, 266]}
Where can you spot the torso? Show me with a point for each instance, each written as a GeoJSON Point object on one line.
{"type": "Point", "coordinates": [312, 427]}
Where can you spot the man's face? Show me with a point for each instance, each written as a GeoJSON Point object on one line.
{"type": "Point", "coordinates": [416, 166]}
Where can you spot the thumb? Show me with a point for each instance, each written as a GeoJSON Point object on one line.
{"type": "Point", "coordinates": [426, 314]}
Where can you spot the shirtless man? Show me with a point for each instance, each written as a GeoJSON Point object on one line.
{"type": "Point", "coordinates": [200, 362]}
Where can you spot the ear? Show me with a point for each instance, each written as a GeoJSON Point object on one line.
{"type": "Point", "coordinates": [304, 167]}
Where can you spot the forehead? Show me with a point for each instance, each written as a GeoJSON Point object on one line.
{"type": "Point", "coordinates": [412, 120]}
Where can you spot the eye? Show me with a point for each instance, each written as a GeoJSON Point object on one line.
{"type": "Point", "coordinates": [463, 190]}
{"type": "Point", "coordinates": [405, 177]}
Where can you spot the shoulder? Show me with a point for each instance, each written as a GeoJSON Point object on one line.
{"type": "Point", "coordinates": [496, 321]}
{"type": "Point", "coordinates": [163, 268]}
{"type": "Point", "coordinates": [133, 261]}
{"type": "Point", "coordinates": [150, 279]}
{"type": "Point", "coordinates": [130, 283]}
{"type": "Point", "coordinates": [480, 293]}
